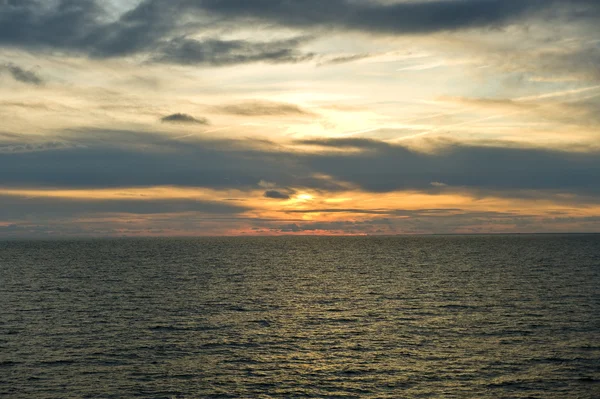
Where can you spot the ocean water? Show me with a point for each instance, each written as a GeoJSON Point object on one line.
{"type": "Point", "coordinates": [293, 317]}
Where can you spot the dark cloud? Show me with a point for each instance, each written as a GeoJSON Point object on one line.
{"type": "Point", "coordinates": [22, 75]}
{"type": "Point", "coordinates": [395, 18]}
{"type": "Point", "coordinates": [123, 159]}
{"type": "Point", "coordinates": [35, 23]}
{"type": "Point", "coordinates": [230, 52]}
{"type": "Point", "coordinates": [28, 208]}
{"type": "Point", "coordinates": [159, 28]}
{"type": "Point", "coordinates": [382, 167]}
{"type": "Point", "coordinates": [162, 28]}
{"type": "Point", "coordinates": [95, 158]}
{"type": "Point", "coordinates": [82, 26]}
{"type": "Point", "coordinates": [184, 118]}
{"type": "Point", "coordinates": [279, 194]}
{"type": "Point", "coordinates": [263, 108]}
{"type": "Point", "coordinates": [142, 29]}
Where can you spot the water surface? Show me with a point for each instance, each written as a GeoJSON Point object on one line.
{"type": "Point", "coordinates": [390, 317]}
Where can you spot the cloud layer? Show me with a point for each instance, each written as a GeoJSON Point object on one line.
{"type": "Point", "coordinates": [163, 28]}
{"type": "Point", "coordinates": [131, 159]}
{"type": "Point", "coordinates": [298, 116]}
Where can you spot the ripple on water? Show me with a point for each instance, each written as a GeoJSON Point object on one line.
{"type": "Point", "coordinates": [453, 317]}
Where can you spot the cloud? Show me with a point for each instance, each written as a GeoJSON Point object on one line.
{"type": "Point", "coordinates": [419, 221]}
{"type": "Point", "coordinates": [98, 159]}
{"type": "Point", "coordinates": [105, 158]}
{"type": "Point", "coordinates": [425, 212]}
{"type": "Point", "coordinates": [153, 27]}
{"type": "Point", "coordinates": [263, 108]}
{"type": "Point", "coordinates": [266, 184]}
{"type": "Point", "coordinates": [83, 26]}
{"type": "Point", "coordinates": [577, 60]}
{"type": "Point", "coordinates": [164, 28]}
{"type": "Point", "coordinates": [454, 221]}
{"type": "Point", "coordinates": [397, 17]}
{"type": "Point", "coordinates": [27, 208]}
{"type": "Point", "coordinates": [360, 143]}
{"type": "Point", "coordinates": [22, 75]}
{"type": "Point", "coordinates": [33, 146]}
{"type": "Point", "coordinates": [279, 194]}
{"type": "Point", "coordinates": [230, 52]}
{"type": "Point", "coordinates": [184, 118]}
{"type": "Point", "coordinates": [344, 59]}
{"type": "Point", "coordinates": [382, 167]}
{"type": "Point", "coordinates": [564, 108]}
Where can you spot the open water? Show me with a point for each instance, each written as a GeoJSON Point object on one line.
{"type": "Point", "coordinates": [286, 317]}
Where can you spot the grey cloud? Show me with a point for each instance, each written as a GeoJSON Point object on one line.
{"type": "Point", "coordinates": [123, 159]}
{"type": "Point", "coordinates": [26, 208]}
{"type": "Point", "coordinates": [36, 23]}
{"type": "Point", "coordinates": [97, 158]}
{"type": "Point", "coordinates": [155, 27]}
{"type": "Point", "coordinates": [184, 118]}
{"type": "Point", "coordinates": [230, 52]}
{"type": "Point", "coordinates": [82, 25]}
{"type": "Point", "coordinates": [162, 27]}
{"type": "Point", "coordinates": [22, 75]}
{"type": "Point", "coordinates": [384, 167]}
{"type": "Point", "coordinates": [402, 17]}
{"type": "Point", "coordinates": [279, 194]}
{"type": "Point", "coordinates": [263, 108]}
{"type": "Point", "coordinates": [33, 146]}
{"type": "Point", "coordinates": [142, 29]}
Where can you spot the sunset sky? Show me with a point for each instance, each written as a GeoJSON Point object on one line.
{"type": "Point", "coordinates": [270, 117]}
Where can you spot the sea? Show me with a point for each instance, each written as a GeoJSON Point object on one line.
{"type": "Point", "coordinates": [498, 316]}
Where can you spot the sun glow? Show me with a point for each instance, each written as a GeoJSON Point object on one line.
{"type": "Point", "coordinates": [305, 197]}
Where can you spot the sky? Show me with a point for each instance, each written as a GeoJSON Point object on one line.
{"type": "Point", "coordinates": [273, 117]}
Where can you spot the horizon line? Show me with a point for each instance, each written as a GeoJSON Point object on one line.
{"type": "Point", "coordinates": [78, 238]}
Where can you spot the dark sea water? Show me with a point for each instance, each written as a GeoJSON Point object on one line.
{"type": "Point", "coordinates": [392, 317]}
